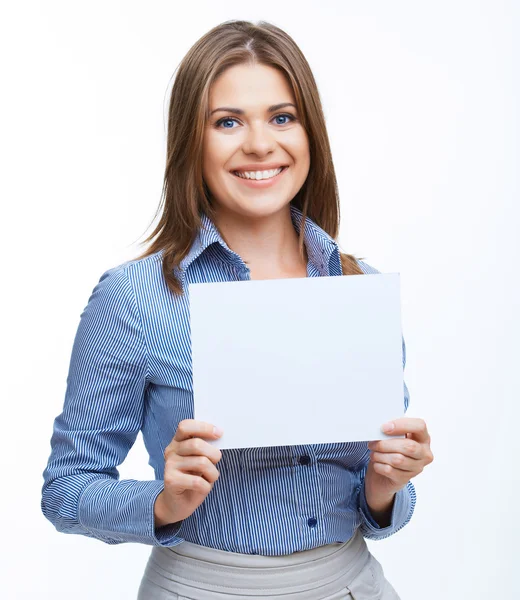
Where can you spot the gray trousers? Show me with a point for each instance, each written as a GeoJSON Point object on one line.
{"type": "Point", "coordinates": [188, 571]}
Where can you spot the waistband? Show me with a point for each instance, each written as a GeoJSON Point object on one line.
{"type": "Point", "coordinates": [194, 568]}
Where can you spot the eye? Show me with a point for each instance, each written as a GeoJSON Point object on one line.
{"type": "Point", "coordinates": [221, 122]}
{"type": "Point", "coordinates": [285, 116]}
{"type": "Point", "coordinates": [225, 120]}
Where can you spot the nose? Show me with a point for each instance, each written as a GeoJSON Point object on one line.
{"type": "Point", "coordinates": [259, 140]}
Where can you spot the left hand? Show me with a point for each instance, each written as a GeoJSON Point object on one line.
{"type": "Point", "coordinates": [393, 462]}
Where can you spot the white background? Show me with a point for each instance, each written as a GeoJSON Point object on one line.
{"type": "Point", "coordinates": [421, 101]}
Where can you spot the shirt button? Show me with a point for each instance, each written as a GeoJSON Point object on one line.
{"type": "Point", "coordinates": [312, 522]}
{"type": "Point", "coordinates": [305, 460]}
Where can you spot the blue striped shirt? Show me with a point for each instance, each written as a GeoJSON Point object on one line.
{"type": "Point", "coordinates": [130, 371]}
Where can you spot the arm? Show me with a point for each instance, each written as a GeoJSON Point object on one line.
{"type": "Point", "coordinates": [101, 417]}
{"type": "Point", "coordinates": [380, 521]}
{"type": "Point", "coordinates": [384, 516]}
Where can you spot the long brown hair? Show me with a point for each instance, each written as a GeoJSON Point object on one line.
{"type": "Point", "coordinates": [185, 195]}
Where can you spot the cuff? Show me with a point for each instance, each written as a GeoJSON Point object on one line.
{"type": "Point", "coordinates": [123, 511]}
{"type": "Point", "coordinates": [404, 504]}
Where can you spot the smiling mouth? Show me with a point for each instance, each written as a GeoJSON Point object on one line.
{"type": "Point", "coordinates": [282, 169]}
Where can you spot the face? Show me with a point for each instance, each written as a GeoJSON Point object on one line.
{"type": "Point", "coordinates": [247, 138]}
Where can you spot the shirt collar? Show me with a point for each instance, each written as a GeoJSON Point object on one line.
{"type": "Point", "coordinates": [320, 246]}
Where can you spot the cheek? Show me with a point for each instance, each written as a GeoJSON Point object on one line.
{"type": "Point", "coordinates": [298, 145]}
{"type": "Point", "coordinates": [215, 154]}
{"type": "Point", "coordinates": [210, 160]}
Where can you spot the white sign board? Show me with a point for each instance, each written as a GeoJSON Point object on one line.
{"type": "Point", "coordinates": [297, 361]}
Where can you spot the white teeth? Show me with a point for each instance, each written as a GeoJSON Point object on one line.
{"type": "Point", "coordinates": [258, 174]}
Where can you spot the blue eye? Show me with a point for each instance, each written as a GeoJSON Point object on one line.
{"type": "Point", "coordinates": [226, 120]}
{"type": "Point", "coordinates": [221, 122]}
{"type": "Point", "coordinates": [290, 117]}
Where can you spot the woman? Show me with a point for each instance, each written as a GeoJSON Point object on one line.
{"type": "Point", "coordinates": [249, 193]}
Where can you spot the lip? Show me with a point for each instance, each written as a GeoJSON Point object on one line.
{"type": "Point", "coordinates": [259, 167]}
{"type": "Point", "coordinates": [261, 183]}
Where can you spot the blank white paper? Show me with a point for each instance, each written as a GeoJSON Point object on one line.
{"type": "Point", "coordinates": [297, 361]}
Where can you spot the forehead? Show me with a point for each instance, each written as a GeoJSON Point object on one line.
{"type": "Point", "coordinates": [247, 86]}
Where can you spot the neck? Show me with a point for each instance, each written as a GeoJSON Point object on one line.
{"type": "Point", "coordinates": [268, 245]}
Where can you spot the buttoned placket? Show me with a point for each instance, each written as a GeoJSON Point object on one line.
{"type": "Point", "coordinates": [303, 460]}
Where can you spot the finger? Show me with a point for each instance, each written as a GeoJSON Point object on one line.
{"type": "Point", "coordinates": [404, 425]}
{"type": "Point", "coordinates": [189, 428]}
{"type": "Point", "coordinates": [398, 461]}
{"type": "Point", "coordinates": [198, 447]}
{"type": "Point", "coordinates": [198, 465]}
{"type": "Point", "coordinates": [408, 447]}
{"type": "Point", "coordinates": [397, 476]}
{"type": "Point", "coordinates": [180, 482]}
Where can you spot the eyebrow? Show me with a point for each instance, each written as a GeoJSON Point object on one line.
{"type": "Point", "coordinates": [239, 111]}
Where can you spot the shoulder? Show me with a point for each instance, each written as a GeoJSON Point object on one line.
{"type": "Point", "coordinates": [135, 277]}
{"type": "Point", "coordinates": [366, 268]}
{"type": "Point", "coordinates": [136, 269]}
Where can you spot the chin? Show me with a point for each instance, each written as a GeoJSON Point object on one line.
{"type": "Point", "coordinates": [258, 209]}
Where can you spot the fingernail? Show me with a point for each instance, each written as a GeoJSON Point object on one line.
{"type": "Point", "coordinates": [217, 431]}
{"type": "Point", "coordinates": [388, 427]}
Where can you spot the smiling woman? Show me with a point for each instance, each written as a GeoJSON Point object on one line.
{"type": "Point", "coordinates": [244, 102]}
{"type": "Point", "coordinates": [249, 193]}
{"type": "Point", "coordinates": [255, 165]}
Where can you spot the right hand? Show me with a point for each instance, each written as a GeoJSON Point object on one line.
{"type": "Point", "coordinates": [189, 471]}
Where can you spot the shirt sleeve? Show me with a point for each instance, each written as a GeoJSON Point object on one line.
{"type": "Point", "coordinates": [405, 498]}
{"type": "Point", "coordinates": [102, 415]}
